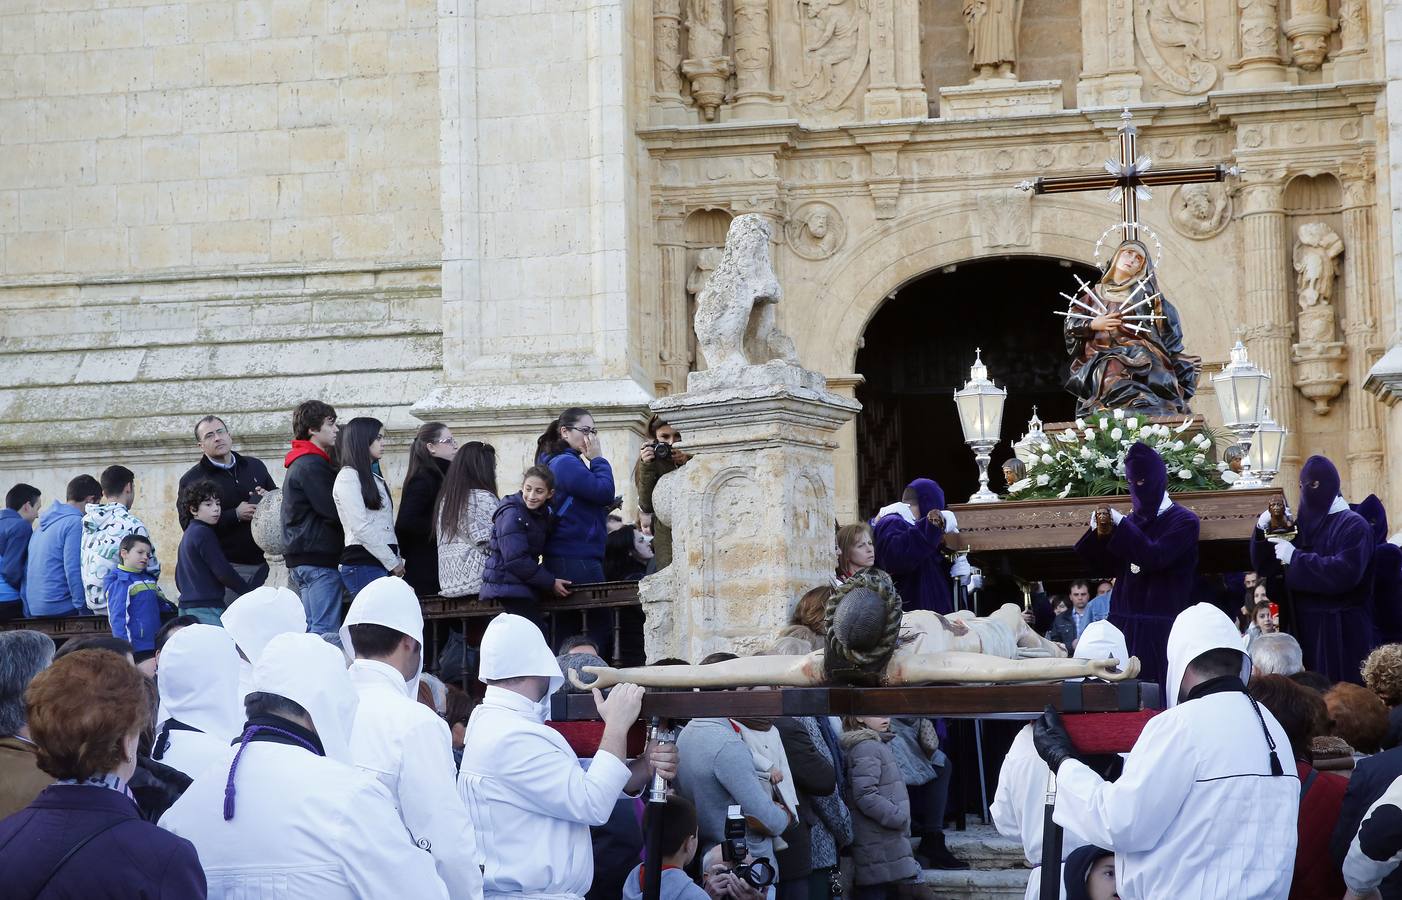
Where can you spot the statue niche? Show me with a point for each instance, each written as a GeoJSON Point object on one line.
{"type": "Point", "coordinates": [735, 325]}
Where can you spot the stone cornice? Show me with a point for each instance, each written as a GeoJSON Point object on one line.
{"type": "Point", "coordinates": [218, 274]}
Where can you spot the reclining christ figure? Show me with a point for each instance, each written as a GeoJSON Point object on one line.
{"type": "Point", "coordinates": [871, 643]}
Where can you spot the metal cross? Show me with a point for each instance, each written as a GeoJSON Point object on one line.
{"type": "Point", "coordinates": [1129, 178]}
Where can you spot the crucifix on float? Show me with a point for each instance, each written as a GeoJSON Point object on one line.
{"type": "Point", "coordinates": [1129, 178]}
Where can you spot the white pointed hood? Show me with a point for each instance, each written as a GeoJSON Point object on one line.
{"type": "Point", "coordinates": [391, 603]}
{"type": "Point", "coordinates": [312, 673]}
{"type": "Point", "coordinates": [260, 615]}
{"type": "Point", "coordinates": [1101, 640]}
{"type": "Point", "coordinates": [199, 681]}
{"type": "Point", "coordinates": [513, 647]}
{"type": "Point", "coordinates": [1197, 630]}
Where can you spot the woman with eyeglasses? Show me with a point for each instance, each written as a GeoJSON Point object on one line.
{"type": "Point", "coordinates": [583, 496]}
{"type": "Point", "coordinates": [364, 505]}
{"type": "Point", "coordinates": [429, 456]}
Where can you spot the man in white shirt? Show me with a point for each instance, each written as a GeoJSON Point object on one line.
{"type": "Point", "coordinates": [1205, 807]}
{"type": "Point", "coordinates": [286, 816]}
{"type": "Point", "coordinates": [400, 741]}
{"type": "Point", "coordinates": [530, 799]}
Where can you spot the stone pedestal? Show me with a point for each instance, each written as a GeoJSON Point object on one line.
{"type": "Point", "coordinates": [752, 514]}
{"type": "Point", "coordinates": [994, 99]}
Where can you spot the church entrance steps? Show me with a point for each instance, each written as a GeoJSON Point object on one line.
{"type": "Point", "coordinates": [998, 869]}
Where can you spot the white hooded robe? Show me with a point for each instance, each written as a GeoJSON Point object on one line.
{"type": "Point", "coordinates": [1197, 812]}
{"type": "Point", "coordinates": [525, 789]}
{"type": "Point", "coordinates": [255, 619]}
{"type": "Point", "coordinates": [303, 826]}
{"type": "Point", "coordinates": [404, 745]}
{"type": "Point", "coordinates": [199, 688]}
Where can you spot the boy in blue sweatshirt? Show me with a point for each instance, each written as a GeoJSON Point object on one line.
{"type": "Point", "coordinates": [134, 599]}
{"type": "Point", "coordinates": [202, 571]}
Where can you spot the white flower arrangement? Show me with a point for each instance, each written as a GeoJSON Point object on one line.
{"type": "Point", "coordinates": [1116, 433]}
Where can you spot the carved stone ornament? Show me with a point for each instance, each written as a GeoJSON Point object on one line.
{"type": "Point", "coordinates": [1173, 38]}
{"type": "Point", "coordinates": [836, 48]}
{"type": "Point", "coordinates": [1200, 211]}
{"type": "Point", "coordinates": [815, 230]}
{"type": "Point", "coordinates": [707, 65]}
{"type": "Point", "coordinates": [1308, 30]}
{"type": "Point", "coordinates": [735, 325]}
{"type": "Point", "coordinates": [1005, 218]}
{"type": "Point", "coordinates": [1318, 357]}
{"type": "Point", "coordinates": [993, 26]}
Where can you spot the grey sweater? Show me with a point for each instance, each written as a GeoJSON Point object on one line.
{"type": "Point", "coordinates": [715, 771]}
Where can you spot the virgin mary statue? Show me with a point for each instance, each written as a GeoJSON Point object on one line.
{"type": "Point", "coordinates": [1126, 358]}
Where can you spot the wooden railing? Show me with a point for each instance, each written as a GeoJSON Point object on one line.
{"type": "Point", "coordinates": [608, 611]}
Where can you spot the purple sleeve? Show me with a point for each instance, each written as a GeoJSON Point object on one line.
{"type": "Point", "coordinates": [1341, 568]}
{"type": "Point", "coordinates": [1152, 554]}
{"type": "Point", "coordinates": [1263, 559]}
{"type": "Point", "coordinates": [901, 547]}
{"type": "Point", "coordinates": [1096, 553]}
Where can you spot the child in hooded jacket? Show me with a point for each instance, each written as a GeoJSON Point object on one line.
{"type": "Point", "coordinates": [883, 863]}
{"type": "Point", "coordinates": [134, 600]}
{"type": "Point", "coordinates": [514, 575]}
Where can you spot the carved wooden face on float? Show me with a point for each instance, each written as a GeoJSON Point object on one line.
{"type": "Point", "coordinates": [1129, 262]}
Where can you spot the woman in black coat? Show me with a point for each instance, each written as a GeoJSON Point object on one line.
{"type": "Point", "coordinates": [432, 451]}
{"type": "Point", "coordinates": [83, 836]}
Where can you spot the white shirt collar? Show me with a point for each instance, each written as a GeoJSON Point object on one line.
{"type": "Point", "coordinates": [1338, 506]}
{"type": "Point", "coordinates": [1164, 504]}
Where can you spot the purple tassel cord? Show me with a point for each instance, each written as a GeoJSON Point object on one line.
{"type": "Point", "coordinates": [247, 735]}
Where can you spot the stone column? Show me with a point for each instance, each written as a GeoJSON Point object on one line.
{"type": "Point", "coordinates": [754, 53]}
{"type": "Point", "coordinates": [882, 100]}
{"type": "Point", "coordinates": [673, 322]}
{"type": "Point", "coordinates": [1267, 313]}
{"type": "Point", "coordinates": [751, 514]}
{"type": "Point", "coordinates": [1361, 314]}
{"type": "Point", "coordinates": [1109, 75]}
{"type": "Point", "coordinates": [1258, 31]}
{"type": "Point", "coordinates": [668, 106]}
{"type": "Point", "coordinates": [845, 462]}
{"type": "Point", "coordinates": [915, 102]}
{"type": "Point", "coordinates": [1308, 30]}
{"type": "Point", "coordinates": [1351, 62]}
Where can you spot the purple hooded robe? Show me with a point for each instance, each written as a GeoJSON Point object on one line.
{"type": "Point", "coordinates": [1330, 577]}
{"type": "Point", "coordinates": [1154, 556]}
{"type": "Point", "coordinates": [910, 554]}
{"type": "Point", "coordinates": [1387, 573]}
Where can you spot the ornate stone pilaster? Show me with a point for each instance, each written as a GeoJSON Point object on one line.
{"type": "Point", "coordinates": [915, 102]}
{"type": "Point", "coordinates": [706, 64]}
{"type": "Point", "coordinates": [1308, 29]}
{"type": "Point", "coordinates": [754, 52]}
{"type": "Point", "coordinates": [674, 321]}
{"type": "Point", "coordinates": [1258, 34]}
{"type": "Point", "coordinates": [1361, 313]}
{"type": "Point", "coordinates": [1351, 62]}
{"type": "Point", "coordinates": [668, 106]}
{"type": "Point", "coordinates": [1109, 75]}
{"type": "Point", "coordinates": [1267, 314]}
{"type": "Point", "coordinates": [882, 100]}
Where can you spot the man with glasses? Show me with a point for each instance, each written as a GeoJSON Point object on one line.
{"type": "Point", "coordinates": [242, 481]}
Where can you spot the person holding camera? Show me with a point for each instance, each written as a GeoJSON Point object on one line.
{"type": "Point", "coordinates": [721, 881]}
{"type": "Point", "coordinates": [658, 457]}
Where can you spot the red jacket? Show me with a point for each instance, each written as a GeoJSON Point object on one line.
{"type": "Point", "coordinates": [1316, 873]}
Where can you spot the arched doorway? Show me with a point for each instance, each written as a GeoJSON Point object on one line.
{"type": "Point", "coordinates": [916, 353]}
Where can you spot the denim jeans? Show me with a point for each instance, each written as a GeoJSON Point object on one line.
{"type": "Point", "coordinates": [321, 589]}
{"type": "Point", "coordinates": [357, 577]}
{"type": "Point", "coordinates": [579, 571]}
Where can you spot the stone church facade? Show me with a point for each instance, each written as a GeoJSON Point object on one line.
{"type": "Point", "coordinates": [482, 211]}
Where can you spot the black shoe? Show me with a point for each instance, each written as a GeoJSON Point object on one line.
{"type": "Point", "coordinates": [933, 853]}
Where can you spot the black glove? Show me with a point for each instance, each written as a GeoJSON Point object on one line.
{"type": "Point", "coordinates": [1053, 742]}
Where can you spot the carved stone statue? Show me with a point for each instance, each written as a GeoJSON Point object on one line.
{"type": "Point", "coordinates": [735, 312]}
{"type": "Point", "coordinates": [870, 642]}
{"type": "Point", "coordinates": [1200, 211]}
{"type": "Point", "coordinates": [992, 28]}
{"type": "Point", "coordinates": [815, 231]}
{"type": "Point", "coordinates": [1316, 250]}
{"type": "Point", "coordinates": [706, 64]}
{"type": "Point", "coordinates": [835, 50]}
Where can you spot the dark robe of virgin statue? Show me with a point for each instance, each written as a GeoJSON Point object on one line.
{"type": "Point", "coordinates": [1124, 363]}
{"type": "Point", "coordinates": [1329, 576]}
{"type": "Point", "coordinates": [1387, 573]}
{"type": "Point", "coordinates": [1153, 553]}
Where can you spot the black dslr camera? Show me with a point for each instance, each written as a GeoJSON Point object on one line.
{"type": "Point", "coordinates": [758, 874]}
{"type": "Point", "coordinates": [661, 450]}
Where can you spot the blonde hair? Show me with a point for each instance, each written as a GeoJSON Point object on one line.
{"type": "Point", "coordinates": [1382, 673]}
{"type": "Point", "coordinates": [847, 537]}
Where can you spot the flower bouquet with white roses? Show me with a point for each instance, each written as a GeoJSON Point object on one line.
{"type": "Point", "coordinates": [1089, 460]}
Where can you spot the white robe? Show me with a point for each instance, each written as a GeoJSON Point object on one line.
{"type": "Point", "coordinates": [304, 826]}
{"type": "Point", "coordinates": [199, 687]}
{"type": "Point", "coordinates": [1197, 812]}
{"type": "Point", "coordinates": [1019, 808]}
{"type": "Point", "coordinates": [531, 799]}
{"type": "Point", "coordinates": [406, 747]}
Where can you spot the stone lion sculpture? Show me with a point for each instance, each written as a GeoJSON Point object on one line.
{"type": "Point", "coordinates": [735, 311]}
{"type": "Point", "coordinates": [871, 642]}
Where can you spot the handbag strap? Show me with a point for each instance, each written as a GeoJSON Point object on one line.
{"type": "Point", "coordinates": [73, 850]}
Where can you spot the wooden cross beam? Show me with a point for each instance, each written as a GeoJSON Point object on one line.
{"type": "Point", "coordinates": [1129, 178]}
